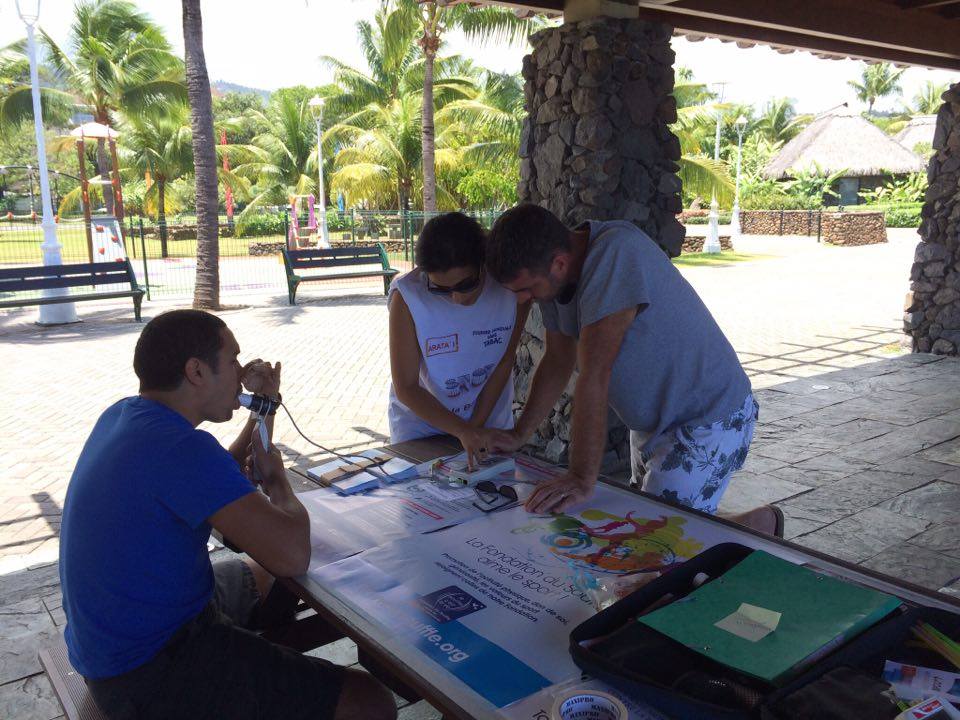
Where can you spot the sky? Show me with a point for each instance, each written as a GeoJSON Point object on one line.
{"type": "Point", "coordinates": [279, 43]}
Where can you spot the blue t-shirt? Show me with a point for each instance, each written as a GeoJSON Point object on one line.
{"type": "Point", "coordinates": [675, 365]}
{"type": "Point", "coordinates": [133, 544]}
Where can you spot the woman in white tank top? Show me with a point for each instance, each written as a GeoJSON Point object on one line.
{"type": "Point", "coordinates": [453, 338]}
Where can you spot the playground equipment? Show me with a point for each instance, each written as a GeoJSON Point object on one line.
{"type": "Point", "coordinates": [107, 239]}
{"type": "Point", "coordinates": [98, 252]}
{"type": "Point", "coordinates": [304, 236]}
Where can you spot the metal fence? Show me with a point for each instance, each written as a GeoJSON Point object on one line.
{"type": "Point", "coordinates": [164, 256]}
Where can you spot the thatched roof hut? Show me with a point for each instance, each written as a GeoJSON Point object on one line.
{"type": "Point", "coordinates": [843, 141]}
{"type": "Point", "coordinates": [919, 130]}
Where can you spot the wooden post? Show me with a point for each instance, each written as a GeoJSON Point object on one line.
{"type": "Point", "coordinates": [115, 181]}
{"type": "Point", "coordinates": [85, 198]}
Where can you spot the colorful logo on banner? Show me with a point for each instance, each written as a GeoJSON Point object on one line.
{"type": "Point", "coordinates": [601, 541]}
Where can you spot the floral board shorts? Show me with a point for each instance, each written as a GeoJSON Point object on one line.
{"type": "Point", "coordinates": [692, 465]}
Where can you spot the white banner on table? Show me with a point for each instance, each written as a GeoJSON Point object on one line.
{"type": "Point", "coordinates": [341, 526]}
{"type": "Point", "coordinates": [492, 600]}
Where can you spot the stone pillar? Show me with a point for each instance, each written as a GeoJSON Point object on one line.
{"type": "Point", "coordinates": [596, 145]}
{"type": "Point", "coordinates": [932, 310]}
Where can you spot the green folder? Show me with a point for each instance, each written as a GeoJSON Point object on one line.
{"type": "Point", "coordinates": [817, 614]}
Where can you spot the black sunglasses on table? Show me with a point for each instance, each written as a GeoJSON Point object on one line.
{"type": "Point", "coordinates": [464, 286]}
{"type": "Point", "coordinates": [489, 493]}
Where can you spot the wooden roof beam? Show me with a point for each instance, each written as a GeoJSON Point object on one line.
{"type": "Point", "coordinates": [785, 39]}
{"type": "Point", "coordinates": [924, 4]}
{"type": "Point", "coordinates": [865, 22]}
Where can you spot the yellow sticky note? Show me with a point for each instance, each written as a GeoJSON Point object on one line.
{"type": "Point", "coordinates": [750, 622]}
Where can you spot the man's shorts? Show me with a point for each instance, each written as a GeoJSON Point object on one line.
{"type": "Point", "coordinates": [215, 668]}
{"type": "Point", "coordinates": [692, 465]}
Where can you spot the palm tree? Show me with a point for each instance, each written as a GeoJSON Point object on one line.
{"type": "Point", "coordinates": [485, 133]}
{"type": "Point", "coordinates": [779, 122]}
{"type": "Point", "coordinates": [700, 174]}
{"type": "Point", "coordinates": [206, 293]}
{"type": "Point", "coordinates": [389, 49]}
{"type": "Point", "coordinates": [16, 102]}
{"type": "Point", "coordinates": [282, 160]}
{"type": "Point", "coordinates": [436, 17]}
{"type": "Point", "coordinates": [380, 160]}
{"type": "Point", "coordinates": [160, 145]}
{"type": "Point", "coordinates": [877, 81]}
{"type": "Point", "coordinates": [927, 101]}
{"type": "Point", "coordinates": [116, 58]}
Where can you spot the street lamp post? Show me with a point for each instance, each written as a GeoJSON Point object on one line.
{"type": "Point", "coordinates": [61, 312]}
{"type": "Point", "coordinates": [741, 124]}
{"type": "Point", "coordinates": [316, 102]}
{"type": "Point", "coordinates": [712, 242]}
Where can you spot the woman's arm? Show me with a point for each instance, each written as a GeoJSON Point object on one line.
{"type": "Point", "coordinates": [493, 388]}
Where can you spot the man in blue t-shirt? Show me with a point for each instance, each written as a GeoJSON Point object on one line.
{"type": "Point", "coordinates": [645, 345]}
{"type": "Point", "coordinates": [153, 627]}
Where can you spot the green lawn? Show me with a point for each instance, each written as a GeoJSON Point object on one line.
{"type": "Point", "coordinates": [716, 260]}
{"type": "Point", "coordinates": [21, 245]}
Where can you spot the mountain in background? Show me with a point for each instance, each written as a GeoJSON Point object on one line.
{"type": "Point", "coordinates": [221, 87]}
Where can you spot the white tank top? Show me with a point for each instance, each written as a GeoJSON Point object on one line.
{"type": "Point", "coordinates": [460, 345]}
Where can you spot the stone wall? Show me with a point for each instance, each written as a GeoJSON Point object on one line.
{"type": "Point", "coordinates": [932, 309]}
{"type": "Point", "coordinates": [779, 222]}
{"type": "Point", "coordinates": [596, 145]}
{"type": "Point", "coordinates": [694, 243]}
{"type": "Point", "coordinates": [274, 248]}
{"type": "Point", "coordinates": [837, 228]}
{"type": "Point", "coordinates": [850, 228]}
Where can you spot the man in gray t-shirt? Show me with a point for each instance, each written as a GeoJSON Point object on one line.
{"type": "Point", "coordinates": [615, 307]}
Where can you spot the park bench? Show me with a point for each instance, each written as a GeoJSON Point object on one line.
{"type": "Point", "coordinates": [47, 277]}
{"type": "Point", "coordinates": [306, 631]}
{"type": "Point", "coordinates": [338, 257]}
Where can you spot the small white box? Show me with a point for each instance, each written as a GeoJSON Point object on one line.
{"type": "Point", "coordinates": [486, 469]}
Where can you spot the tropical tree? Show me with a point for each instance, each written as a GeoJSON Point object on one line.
{"type": "Point", "coordinates": [877, 81]}
{"type": "Point", "coordinates": [115, 59]}
{"type": "Point", "coordinates": [16, 101]}
{"type": "Point", "coordinates": [435, 18]}
{"type": "Point", "coordinates": [927, 101]}
{"type": "Point", "coordinates": [488, 125]}
{"type": "Point", "coordinates": [281, 161]}
{"type": "Point", "coordinates": [206, 293]}
{"type": "Point", "coordinates": [389, 49]}
{"type": "Point", "coordinates": [700, 174]}
{"type": "Point", "coordinates": [235, 113]}
{"type": "Point", "coordinates": [380, 159]}
{"type": "Point", "coordinates": [159, 146]}
{"type": "Point", "coordinates": [779, 121]}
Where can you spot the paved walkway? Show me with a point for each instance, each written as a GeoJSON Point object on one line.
{"type": "Point", "coordinates": [858, 445]}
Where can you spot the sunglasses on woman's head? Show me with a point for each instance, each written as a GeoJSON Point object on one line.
{"type": "Point", "coordinates": [464, 286]}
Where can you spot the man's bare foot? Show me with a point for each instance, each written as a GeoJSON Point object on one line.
{"type": "Point", "coordinates": [765, 519]}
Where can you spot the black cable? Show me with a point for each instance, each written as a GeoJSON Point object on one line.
{"type": "Point", "coordinates": [347, 458]}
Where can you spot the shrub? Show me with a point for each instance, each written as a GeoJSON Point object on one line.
{"type": "Point", "coordinates": [262, 224]}
{"type": "Point", "coordinates": [902, 217]}
{"type": "Point", "coordinates": [778, 201]}
{"type": "Point", "coordinates": [725, 219]}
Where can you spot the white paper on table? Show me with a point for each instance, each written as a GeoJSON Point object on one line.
{"type": "Point", "coordinates": [391, 467]}
{"type": "Point", "coordinates": [499, 588]}
{"type": "Point", "coordinates": [341, 526]}
{"type": "Point", "coordinates": [539, 706]}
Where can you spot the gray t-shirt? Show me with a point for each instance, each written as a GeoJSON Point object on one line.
{"type": "Point", "coordinates": [675, 366]}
